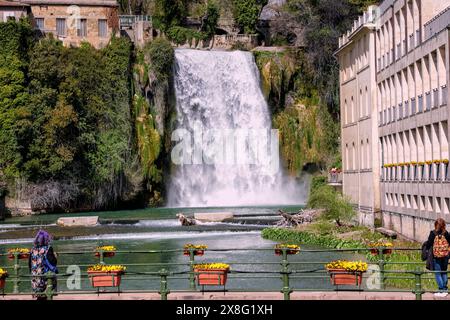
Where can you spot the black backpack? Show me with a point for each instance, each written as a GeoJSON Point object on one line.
{"type": "Point", "coordinates": [424, 251]}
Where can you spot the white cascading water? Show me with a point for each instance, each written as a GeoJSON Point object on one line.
{"type": "Point", "coordinates": [221, 90]}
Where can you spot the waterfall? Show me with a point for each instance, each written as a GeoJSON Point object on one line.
{"type": "Point", "coordinates": [219, 92]}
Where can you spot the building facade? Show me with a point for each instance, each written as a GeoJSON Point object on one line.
{"type": "Point", "coordinates": [410, 112]}
{"type": "Point", "coordinates": [359, 131]}
{"type": "Point", "coordinates": [76, 21]}
{"type": "Point", "coordinates": [13, 10]}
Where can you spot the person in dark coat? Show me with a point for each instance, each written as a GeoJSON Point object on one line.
{"type": "Point", "coordinates": [42, 260]}
{"type": "Point", "coordinates": [438, 246]}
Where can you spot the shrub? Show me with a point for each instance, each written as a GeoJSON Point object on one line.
{"type": "Point", "coordinates": [161, 55]}
{"type": "Point", "coordinates": [336, 207]}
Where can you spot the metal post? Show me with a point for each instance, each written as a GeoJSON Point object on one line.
{"type": "Point", "coordinates": [418, 285]}
{"type": "Point", "coordinates": [381, 264]}
{"type": "Point", "coordinates": [16, 273]}
{"type": "Point", "coordinates": [163, 291]}
{"type": "Point", "coordinates": [49, 290]}
{"type": "Point", "coordinates": [285, 275]}
{"type": "Point", "coordinates": [191, 263]}
{"type": "Point", "coordinates": [101, 257]}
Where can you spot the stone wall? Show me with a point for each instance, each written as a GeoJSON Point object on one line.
{"type": "Point", "coordinates": [92, 14]}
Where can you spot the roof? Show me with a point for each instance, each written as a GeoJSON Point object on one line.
{"type": "Point", "coordinates": [97, 3]}
{"type": "Point", "coordinates": [12, 4]}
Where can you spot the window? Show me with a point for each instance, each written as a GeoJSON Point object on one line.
{"type": "Point", "coordinates": [8, 15]}
{"type": "Point", "coordinates": [415, 200]}
{"type": "Point", "coordinates": [402, 200]}
{"type": "Point", "coordinates": [60, 27]}
{"type": "Point", "coordinates": [102, 28]}
{"type": "Point", "coordinates": [408, 201]}
{"type": "Point", "coordinates": [438, 205]}
{"type": "Point", "coordinates": [82, 28]}
{"type": "Point", "coordinates": [430, 204]}
{"type": "Point", "coordinates": [446, 205]}
{"type": "Point", "coordinates": [422, 203]}
{"type": "Point", "coordinates": [40, 23]}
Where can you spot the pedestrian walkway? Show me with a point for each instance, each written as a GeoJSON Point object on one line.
{"type": "Point", "coordinates": [341, 295]}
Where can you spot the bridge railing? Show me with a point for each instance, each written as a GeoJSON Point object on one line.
{"type": "Point", "coordinates": [161, 274]}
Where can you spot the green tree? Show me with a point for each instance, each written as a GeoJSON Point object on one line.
{"type": "Point", "coordinates": [246, 13]}
{"type": "Point", "coordinates": [210, 18]}
{"type": "Point", "coordinates": [170, 13]}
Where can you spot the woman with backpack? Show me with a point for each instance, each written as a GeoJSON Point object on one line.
{"type": "Point", "coordinates": [438, 245]}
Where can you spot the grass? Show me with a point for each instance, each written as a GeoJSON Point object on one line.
{"type": "Point", "coordinates": [327, 235]}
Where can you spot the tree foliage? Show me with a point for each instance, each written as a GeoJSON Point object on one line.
{"type": "Point", "coordinates": [246, 13]}
{"type": "Point", "coordinates": [170, 13]}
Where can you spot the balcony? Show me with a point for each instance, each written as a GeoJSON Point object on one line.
{"type": "Point", "coordinates": [428, 101]}
{"type": "Point", "coordinates": [406, 109]}
{"type": "Point", "coordinates": [335, 178]}
{"type": "Point", "coordinates": [400, 111]}
{"type": "Point", "coordinates": [404, 47]}
{"type": "Point", "coordinates": [394, 114]}
{"type": "Point", "coordinates": [420, 103]}
{"type": "Point", "coordinates": [392, 55]}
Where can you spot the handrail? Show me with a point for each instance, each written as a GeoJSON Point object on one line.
{"type": "Point", "coordinates": [289, 270]}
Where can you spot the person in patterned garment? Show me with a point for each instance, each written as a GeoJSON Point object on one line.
{"type": "Point", "coordinates": [42, 260]}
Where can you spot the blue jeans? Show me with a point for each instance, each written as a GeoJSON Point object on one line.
{"type": "Point", "coordinates": [440, 264]}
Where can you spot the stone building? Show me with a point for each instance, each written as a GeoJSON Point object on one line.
{"type": "Point", "coordinates": [75, 21]}
{"type": "Point", "coordinates": [408, 54]}
{"type": "Point", "coordinates": [13, 10]}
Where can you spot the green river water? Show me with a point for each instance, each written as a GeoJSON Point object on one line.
{"type": "Point", "coordinates": [158, 229]}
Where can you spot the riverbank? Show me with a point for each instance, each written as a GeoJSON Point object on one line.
{"type": "Point", "coordinates": [329, 236]}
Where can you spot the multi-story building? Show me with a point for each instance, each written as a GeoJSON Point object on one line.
{"type": "Point", "coordinates": [76, 21]}
{"type": "Point", "coordinates": [410, 59]}
{"type": "Point", "coordinates": [359, 131]}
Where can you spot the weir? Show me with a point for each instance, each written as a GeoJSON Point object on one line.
{"type": "Point", "coordinates": [218, 97]}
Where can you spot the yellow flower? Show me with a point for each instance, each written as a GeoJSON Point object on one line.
{"type": "Point", "coordinates": [195, 246]}
{"type": "Point", "coordinates": [212, 266]}
{"type": "Point", "coordinates": [3, 273]}
{"type": "Point", "coordinates": [106, 248]}
{"type": "Point", "coordinates": [106, 268]}
{"type": "Point", "coordinates": [380, 244]}
{"type": "Point", "coordinates": [347, 265]}
{"type": "Point", "coordinates": [18, 250]}
{"type": "Point", "coordinates": [287, 246]}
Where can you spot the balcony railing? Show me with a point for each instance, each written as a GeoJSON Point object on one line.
{"type": "Point", "coordinates": [392, 55]}
{"type": "Point", "coordinates": [400, 111]}
{"type": "Point", "coordinates": [428, 100]}
{"type": "Point", "coordinates": [394, 114]}
{"type": "Point", "coordinates": [406, 109]}
{"type": "Point", "coordinates": [335, 177]}
{"type": "Point", "coordinates": [420, 103]}
{"type": "Point", "coordinates": [404, 47]}
{"type": "Point", "coordinates": [399, 51]}
{"type": "Point", "coordinates": [413, 106]}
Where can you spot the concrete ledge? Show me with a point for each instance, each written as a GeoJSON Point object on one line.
{"type": "Point", "coordinates": [337, 295]}
{"type": "Point", "coordinates": [77, 221]}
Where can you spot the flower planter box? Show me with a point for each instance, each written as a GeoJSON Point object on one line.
{"type": "Point", "coordinates": [105, 279]}
{"type": "Point", "coordinates": [215, 277]}
{"type": "Point", "coordinates": [343, 277]}
{"type": "Point", "coordinates": [20, 256]}
{"type": "Point", "coordinates": [196, 252]}
{"type": "Point", "coordinates": [385, 251]}
{"type": "Point", "coordinates": [279, 252]}
{"type": "Point", "coordinates": [2, 283]}
{"type": "Point", "coordinates": [106, 254]}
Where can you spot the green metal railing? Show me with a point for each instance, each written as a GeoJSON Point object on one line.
{"type": "Point", "coordinates": [287, 272]}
